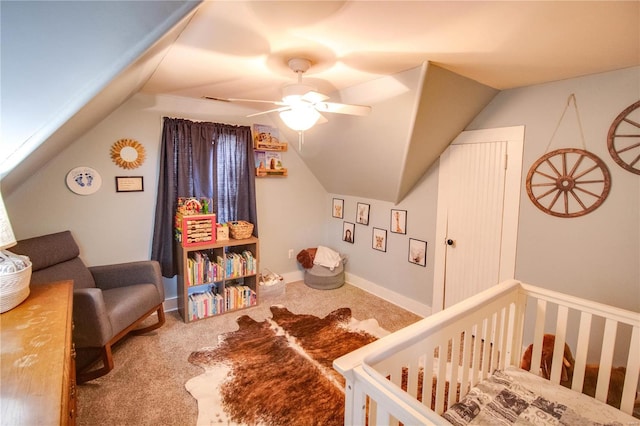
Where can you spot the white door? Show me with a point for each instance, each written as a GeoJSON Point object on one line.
{"type": "Point", "coordinates": [478, 206]}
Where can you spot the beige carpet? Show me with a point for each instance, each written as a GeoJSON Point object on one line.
{"type": "Point", "coordinates": [147, 385]}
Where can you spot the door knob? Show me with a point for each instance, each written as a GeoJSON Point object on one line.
{"type": "Point", "coordinates": [451, 242]}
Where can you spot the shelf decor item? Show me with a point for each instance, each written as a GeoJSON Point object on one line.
{"type": "Point", "coordinates": [194, 224]}
{"type": "Point", "coordinates": [197, 230]}
{"type": "Point", "coordinates": [267, 138]}
{"type": "Point", "coordinates": [15, 270]}
{"type": "Point", "coordinates": [222, 232]}
{"type": "Point", "coordinates": [240, 229]}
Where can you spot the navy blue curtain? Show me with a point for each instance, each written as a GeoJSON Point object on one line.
{"type": "Point", "coordinates": [199, 159]}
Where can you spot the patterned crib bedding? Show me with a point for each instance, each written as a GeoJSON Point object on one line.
{"type": "Point", "coordinates": [517, 397]}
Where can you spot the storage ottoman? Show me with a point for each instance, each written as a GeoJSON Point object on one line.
{"type": "Point", "coordinates": [322, 278]}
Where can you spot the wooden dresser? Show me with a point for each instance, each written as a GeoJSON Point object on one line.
{"type": "Point", "coordinates": [37, 358]}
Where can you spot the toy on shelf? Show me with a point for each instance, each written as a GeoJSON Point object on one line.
{"type": "Point", "coordinates": [195, 224]}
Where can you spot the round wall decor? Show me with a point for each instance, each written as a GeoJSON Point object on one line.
{"type": "Point", "coordinates": [128, 153]}
{"type": "Point", "coordinates": [568, 182]}
{"type": "Point", "coordinates": [83, 180]}
{"type": "Point", "coordinates": [623, 139]}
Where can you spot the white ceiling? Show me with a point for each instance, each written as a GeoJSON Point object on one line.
{"type": "Point", "coordinates": [240, 48]}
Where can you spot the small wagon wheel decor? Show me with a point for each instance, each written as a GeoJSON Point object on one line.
{"type": "Point", "coordinates": [623, 139]}
{"type": "Point", "coordinates": [568, 182]}
{"type": "Point", "coordinates": [128, 153]}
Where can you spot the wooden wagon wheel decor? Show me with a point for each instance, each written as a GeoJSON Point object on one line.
{"type": "Point", "coordinates": [128, 153]}
{"type": "Point", "coordinates": [623, 139]}
{"type": "Point", "coordinates": [568, 182]}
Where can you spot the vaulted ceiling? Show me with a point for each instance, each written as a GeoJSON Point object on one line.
{"type": "Point", "coordinates": [65, 65]}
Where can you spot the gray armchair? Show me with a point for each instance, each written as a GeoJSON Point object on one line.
{"type": "Point", "coordinates": [109, 301]}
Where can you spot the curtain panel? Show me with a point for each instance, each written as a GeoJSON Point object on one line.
{"type": "Point", "coordinates": [201, 159]}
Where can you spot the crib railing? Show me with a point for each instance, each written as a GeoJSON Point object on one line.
{"type": "Point", "coordinates": [412, 376]}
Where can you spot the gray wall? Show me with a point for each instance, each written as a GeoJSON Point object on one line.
{"type": "Point", "coordinates": [596, 256]}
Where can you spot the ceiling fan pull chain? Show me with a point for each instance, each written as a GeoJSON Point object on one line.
{"type": "Point", "coordinates": [300, 140]}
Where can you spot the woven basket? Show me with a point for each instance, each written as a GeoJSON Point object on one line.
{"type": "Point", "coordinates": [14, 288]}
{"type": "Point", "coordinates": [240, 229]}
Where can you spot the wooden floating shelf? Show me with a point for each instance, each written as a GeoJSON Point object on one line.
{"type": "Point", "coordinates": [261, 172]}
{"type": "Point", "coordinates": [270, 146]}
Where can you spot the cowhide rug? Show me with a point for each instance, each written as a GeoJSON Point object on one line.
{"type": "Point", "coordinates": [278, 371]}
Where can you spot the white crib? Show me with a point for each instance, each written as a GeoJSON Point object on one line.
{"type": "Point", "coordinates": [386, 380]}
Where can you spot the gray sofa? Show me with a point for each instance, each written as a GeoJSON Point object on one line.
{"type": "Point", "coordinates": [109, 301]}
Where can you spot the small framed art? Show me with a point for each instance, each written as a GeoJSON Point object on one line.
{"type": "Point", "coordinates": [337, 209]}
{"type": "Point", "coordinates": [362, 214]}
{"type": "Point", "coordinates": [398, 221]}
{"type": "Point", "coordinates": [348, 232]}
{"type": "Point", "coordinates": [417, 252]}
{"type": "Point", "coordinates": [379, 239]}
{"type": "Point", "coordinates": [129, 184]}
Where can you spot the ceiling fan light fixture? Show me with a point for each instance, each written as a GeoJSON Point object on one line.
{"type": "Point", "coordinates": [300, 118]}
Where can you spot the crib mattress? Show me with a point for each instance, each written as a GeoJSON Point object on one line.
{"type": "Point", "coordinates": [515, 396]}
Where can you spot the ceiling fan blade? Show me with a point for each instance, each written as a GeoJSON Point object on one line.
{"type": "Point", "coordinates": [334, 107]}
{"type": "Point", "coordinates": [283, 108]}
{"type": "Point", "coordinates": [322, 120]}
{"type": "Point", "coordinates": [212, 98]}
{"type": "Point", "coordinates": [314, 97]}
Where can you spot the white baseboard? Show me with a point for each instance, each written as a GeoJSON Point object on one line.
{"type": "Point", "coordinates": [290, 277]}
{"type": "Point", "coordinates": [171, 304]}
{"type": "Point", "coordinates": [390, 296]}
{"type": "Point", "coordinates": [404, 302]}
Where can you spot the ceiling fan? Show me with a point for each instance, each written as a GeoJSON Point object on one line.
{"type": "Point", "coordinates": [301, 105]}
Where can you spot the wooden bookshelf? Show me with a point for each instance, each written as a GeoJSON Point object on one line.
{"type": "Point", "coordinates": [217, 278]}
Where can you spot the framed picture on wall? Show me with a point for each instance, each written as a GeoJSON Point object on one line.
{"type": "Point", "coordinates": [362, 213]}
{"type": "Point", "coordinates": [337, 209]}
{"type": "Point", "coordinates": [348, 232]}
{"type": "Point", "coordinates": [398, 221]}
{"type": "Point", "coordinates": [417, 252]}
{"type": "Point", "coordinates": [379, 239]}
{"type": "Point", "coordinates": [129, 184]}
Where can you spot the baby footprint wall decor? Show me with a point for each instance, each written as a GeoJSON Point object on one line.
{"type": "Point", "coordinates": [83, 180]}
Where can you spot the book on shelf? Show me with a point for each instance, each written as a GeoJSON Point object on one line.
{"type": "Point", "coordinates": [266, 137]}
{"type": "Point", "coordinates": [201, 270]}
{"type": "Point", "coordinates": [205, 304]}
{"type": "Point", "coordinates": [273, 160]}
{"type": "Point", "coordinates": [239, 296]}
{"type": "Point", "coordinates": [240, 264]}
{"type": "Point", "coordinates": [269, 162]}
